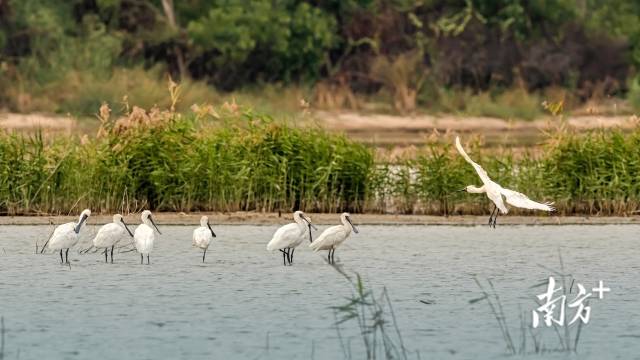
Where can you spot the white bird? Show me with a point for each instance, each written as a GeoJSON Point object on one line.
{"type": "Point", "coordinates": [289, 236]}
{"type": "Point", "coordinates": [332, 237]}
{"type": "Point", "coordinates": [145, 235]}
{"type": "Point", "coordinates": [67, 235]}
{"type": "Point", "coordinates": [495, 192]}
{"type": "Point", "coordinates": [203, 235]}
{"type": "Point", "coordinates": [110, 234]}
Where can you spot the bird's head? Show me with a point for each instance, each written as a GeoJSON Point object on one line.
{"type": "Point", "coordinates": [204, 222]}
{"type": "Point", "coordinates": [118, 219]}
{"type": "Point", "coordinates": [146, 216]}
{"type": "Point", "coordinates": [83, 217]}
{"type": "Point", "coordinates": [301, 216]}
{"type": "Point", "coordinates": [346, 219]}
{"type": "Point", "coordinates": [473, 189]}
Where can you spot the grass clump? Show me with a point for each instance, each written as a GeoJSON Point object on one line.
{"type": "Point", "coordinates": [594, 173]}
{"type": "Point", "coordinates": [375, 319]}
{"type": "Point", "coordinates": [171, 162]}
{"type": "Point", "coordinates": [530, 339]}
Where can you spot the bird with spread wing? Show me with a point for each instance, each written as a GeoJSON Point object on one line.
{"type": "Point", "coordinates": [495, 192]}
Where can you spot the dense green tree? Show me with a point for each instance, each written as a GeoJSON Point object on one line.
{"type": "Point", "coordinates": [232, 43]}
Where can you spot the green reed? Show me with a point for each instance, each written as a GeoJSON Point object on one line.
{"type": "Point", "coordinates": [375, 320]}
{"type": "Point", "coordinates": [166, 161]}
{"type": "Point", "coordinates": [180, 164]}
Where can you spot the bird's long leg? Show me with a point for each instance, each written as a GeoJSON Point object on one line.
{"type": "Point", "coordinates": [105, 255]}
{"type": "Point", "coordinates": [141, 259]}
{"type": "Point", "coordinates": [491, 216]}
{"type": "Point", "coordinates": [204, 254]}
{"type": "Point", "coordinates": [67, 255]}
{"type": "Point", "coordinates": [61, 258]}
{"type": "Point", "coordinates": [284, 257]}
{"type": "Point", "coordinates": [148, 262]}
{"type": "Point", "coordinates": [291, 256]}
{"type": "Point", "coordinates": [495, 219]}
{"type": "Point", "coordinates": [333, 256]}
{"type": "Point", "coordinates": [329, 256]}
{"type": "Point", "coordinates": [112, 246]}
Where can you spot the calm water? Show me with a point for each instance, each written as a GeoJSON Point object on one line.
{"type": "Point", "coordinates": [243, 304]}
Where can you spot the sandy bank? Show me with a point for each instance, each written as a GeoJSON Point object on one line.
{"type": "Point", "coordinates": [252, 218]}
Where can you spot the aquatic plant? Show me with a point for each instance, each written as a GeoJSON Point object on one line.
{"type": "Point", "coordinates": [2, 337]}
{"type": "Point", "coordinates": [374, 316]}
{"type": "Point", "coordinates": [568, 337]}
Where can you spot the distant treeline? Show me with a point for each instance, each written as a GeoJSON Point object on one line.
{"type": "Point", "coordinates": [408, 49]}
{"type": "Point", "coordinates": [164, 161]}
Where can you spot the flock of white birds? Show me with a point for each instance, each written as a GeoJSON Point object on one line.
{"type": "Point", "coordinates": [286, 238]}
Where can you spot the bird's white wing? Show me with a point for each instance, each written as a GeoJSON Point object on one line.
{"type": "Point", "coordinates": [63, 237]}
{"type": "Point", "coordinates": [329, 238]}
{"type": "Point", "coordinates": [522, 201]}
{"type": "Point", "coordinates": [497, 199]}
{"type": "Point", "coordinates": [108, 235]}
{"type": "Point", "coordinates": [202, 237]}
{"type": "Point", "coordinates": [483, 174]}
{"type": "Point", "coordinates": [284, 237]}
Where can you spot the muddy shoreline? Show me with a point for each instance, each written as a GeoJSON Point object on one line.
{"type": "Point", "coordinates": [252, 218]}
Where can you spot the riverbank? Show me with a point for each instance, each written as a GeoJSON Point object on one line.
{"type": "Point", "coordinates": [253, 218]}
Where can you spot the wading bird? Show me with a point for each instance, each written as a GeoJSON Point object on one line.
{"type": "Point", "coordinates": [289, 236]}
{"type": "Point", "coordinates": [495, 192]}
{"type": "Point", "coordinates": [331, 238]}
{"type": "Point", "coordinates": [67, 235]}
{"type": "Point", "coordinates": [110, 234]}
{"type": "Point", "coordinates": [145, 235]}
{"type": "Point", "coordinates": [203, 235]}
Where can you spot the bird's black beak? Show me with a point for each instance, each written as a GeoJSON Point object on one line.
{"type": "Point", "coordinates": [79, 225]}
{"type": "Point", "coordinates": [462, 190]}
{"type": "Point", "coordinates": [309, 222]}
{"type": "Point", "coordinates": [355, 230]}
{"type": "Point", "coordinates": [126, 227]}
{"type": "Point", "coordinates": [212, 233]}
{"type": "Point", "coordinates": [154, 225]}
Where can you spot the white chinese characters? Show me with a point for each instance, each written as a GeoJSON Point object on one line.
{"type": "Point", "coordinates": [553, 309]}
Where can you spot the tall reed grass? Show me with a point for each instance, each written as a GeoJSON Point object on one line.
{"type": "Point", "coordinates": [165, 161]}
{"type": "Point", "coordinates": [229, 160]}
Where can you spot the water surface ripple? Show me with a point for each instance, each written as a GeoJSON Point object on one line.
{"type": "Point", "coordinates": [243, 304]}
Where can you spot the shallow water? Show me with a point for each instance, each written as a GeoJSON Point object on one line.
{"type": "Point", "coordinates": [243, 304]}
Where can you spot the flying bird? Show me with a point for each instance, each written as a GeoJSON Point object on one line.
{"type": "Point", "coordinates": [495, 192]}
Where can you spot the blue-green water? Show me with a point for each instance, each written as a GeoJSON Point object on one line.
{"type": "Point", "coordinates": [243, 304]}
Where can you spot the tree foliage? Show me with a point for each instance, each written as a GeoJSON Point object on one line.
{"type": "Point", "coordinates": [477, 44]}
